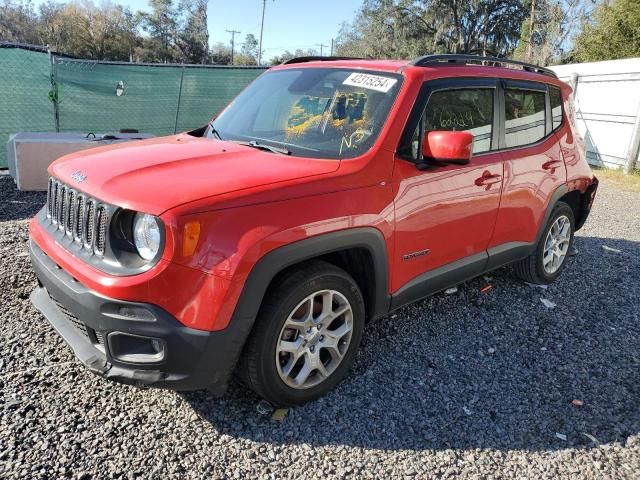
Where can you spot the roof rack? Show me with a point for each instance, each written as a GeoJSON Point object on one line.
{"type": "Point", "coordinates": [317, 59]}
{"type": "Point", "coordinates": [471, 59]}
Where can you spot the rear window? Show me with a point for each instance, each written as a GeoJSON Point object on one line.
{"type": "Point", "coordinates": [525, 117]}
{"type": "Point", "coordinates": [556, 106]}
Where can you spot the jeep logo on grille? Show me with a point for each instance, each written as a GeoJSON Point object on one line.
{"type": "Point", "coordinates": [78, 176]}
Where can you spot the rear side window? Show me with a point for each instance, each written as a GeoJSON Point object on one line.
{"type": "Point", "coordinates": [556, 106]}
{"type": "Point", "coordinates": [469, 110]}
{"type": "Point", "coordinates": [524, 120]}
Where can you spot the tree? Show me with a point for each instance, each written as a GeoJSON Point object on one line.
{"type": "Point", "coordinates": [250, 46]}
{"type": "Point", "coordinates": [480, 26]}
{"type": "Point", "coordinates": [387, 28]}
{"type": "Point", "coordinates": [554, 21]}
{"type": "Point", "coordinates": [409, 28]}
{"type": "Point", "coordinates": [193, 38]}
{"type": "Point", "coordinates": [613, 33]}
{"type": "Point", "coordinates": [108, 32]}
{"type": "Point", "coordinates": [162, 26]}
{"type": "Point", "coordinates": [287, 55]}
{"type": "Point", "coordinates": [19, 22]}
{"type": "Point", "coordinates": [220, 54]}
{"type": "Point", "coordinates": [246, 60]}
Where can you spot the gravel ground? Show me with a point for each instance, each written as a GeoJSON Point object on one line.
{"type": "Point", "coordinates": [469, 384]}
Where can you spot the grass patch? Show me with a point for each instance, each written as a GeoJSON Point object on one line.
{"type": "Point", "coordinates": [630, 183]}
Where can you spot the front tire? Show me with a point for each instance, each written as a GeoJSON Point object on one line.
{"type": "Point", "coordinates": [306, 335]}
{"type": "Point", "coordinates": [552, 250]}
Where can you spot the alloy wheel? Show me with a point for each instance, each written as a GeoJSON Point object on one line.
{"type": "Point", "coordinates": [314, 339]}
{"type": "Point", "coordinates": [556, 245]}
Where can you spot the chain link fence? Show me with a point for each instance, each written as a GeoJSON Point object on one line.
{"type": "Point", "coordinates": [48, 92]}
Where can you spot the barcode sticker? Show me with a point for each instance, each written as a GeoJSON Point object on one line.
{"type": "Point", "coordinates": [372, 82]}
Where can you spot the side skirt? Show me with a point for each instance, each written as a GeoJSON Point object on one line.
{"type": "Point", "coordinates": [460, 271]}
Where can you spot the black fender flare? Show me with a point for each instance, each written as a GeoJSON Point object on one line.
{"type": "Point", "coordinates": [277, 260]}
{"type": "Point", "coordinates": [283, 257]}
{"type": "Point", "coordinates": [560, 192]}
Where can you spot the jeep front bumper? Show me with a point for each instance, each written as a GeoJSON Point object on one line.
{"type": "Point", "coordinates": [134, 343]}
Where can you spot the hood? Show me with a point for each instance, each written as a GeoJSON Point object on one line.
{"type": "Point", "coordinates": [155, 175]}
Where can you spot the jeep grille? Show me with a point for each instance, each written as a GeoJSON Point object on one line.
{"type": "Point", "coordinates": [84, 219]}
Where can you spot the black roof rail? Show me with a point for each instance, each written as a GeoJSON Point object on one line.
{"type": "Point", "coordinates": [471, 59]}
{"type": "Point", "coordinates": [318, 59]}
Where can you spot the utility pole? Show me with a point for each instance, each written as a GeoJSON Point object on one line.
{"type": "Point", "coordinates": [321, 45]}
{"type": "Point", "coordinates": [233, 41]}
{"type": "Point", "coordinates": [264, 7]}
{"type": "Point", "coordinates": [332, 47]}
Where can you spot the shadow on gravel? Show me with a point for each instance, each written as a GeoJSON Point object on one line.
{"type": "Point", "coordinates": [17, 205]}
{"type": "Point", "coordinates": [472, 370]}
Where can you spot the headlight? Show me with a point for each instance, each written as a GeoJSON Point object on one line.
{"type": "Point", "coordinates": [146, 235]}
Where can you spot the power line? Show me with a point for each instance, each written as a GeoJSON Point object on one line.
{"type": "Point", "coordinates": [233, 38]}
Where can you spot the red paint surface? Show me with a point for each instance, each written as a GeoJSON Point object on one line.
{"type": "Point", "coordinates": [448, 145]}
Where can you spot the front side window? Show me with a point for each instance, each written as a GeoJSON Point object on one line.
{"type": "Point", "coordinates": [524, 117]}
{"type": "Point", "coordinates": [469, 110]}
{"type": "Point", "coordinates": [312, 112]}
{"type": "Point", "coordinates": [556, 106]}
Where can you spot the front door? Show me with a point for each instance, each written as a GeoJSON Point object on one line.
{"type": "Point", "coordinates": [445, 214]}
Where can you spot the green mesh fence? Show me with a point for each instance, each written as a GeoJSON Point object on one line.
{"type": "Point", "coordinates": [87, 98]}
{"type": "Point", "coordinates": [24, 95]}
{"type": "Point", "coordinates": [109, 96]}
{"type": "Point", "coordinates": [204, 95]}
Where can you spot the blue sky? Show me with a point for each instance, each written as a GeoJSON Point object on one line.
{"type": "Point", "coordinates": [288, 24]}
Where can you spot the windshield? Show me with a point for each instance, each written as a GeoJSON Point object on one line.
{"type": "Point", "coordinates": [312, 112]}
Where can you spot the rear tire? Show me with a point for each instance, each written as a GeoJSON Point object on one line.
{"type": "Point", "coordinates": [552, 250]}
{"type": "Point", "coordinates": [306, 335]}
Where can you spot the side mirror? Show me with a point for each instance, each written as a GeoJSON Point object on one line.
{"type": "Point", "coordinates": [448, 147]}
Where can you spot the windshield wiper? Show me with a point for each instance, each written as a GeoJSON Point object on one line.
{"type": "Point", "coordinates": [214, 132]}
{"type": "Point", "coordinates": [262, 146]}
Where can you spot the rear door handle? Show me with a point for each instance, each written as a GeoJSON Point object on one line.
{"type": "Point", "coordinates": [551, 164]}
{"type": "Point", "coordinates": [488, 178]}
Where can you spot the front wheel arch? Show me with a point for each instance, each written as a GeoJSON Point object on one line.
{"type": "Point", "coordinates": [266, 270]}
{"type": "Point", "coordinates": [318, 247]}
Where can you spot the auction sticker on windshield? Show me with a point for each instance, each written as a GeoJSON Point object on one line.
{"type": "Point", "coordinates": [372, 82]}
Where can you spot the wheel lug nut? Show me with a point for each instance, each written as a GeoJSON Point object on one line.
{"type": "Point", "coordinates": [322, 338]}
{"type": "Point", "coordinates": [312, 348]}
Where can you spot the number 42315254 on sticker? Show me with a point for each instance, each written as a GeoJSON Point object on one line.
{"type": "Point", "coordinates": [372, 82]}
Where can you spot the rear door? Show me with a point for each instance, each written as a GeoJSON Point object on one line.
{"type": "Point", "coordinates": [445, 214]}
{"type": "Point", "coordinates": [533, 165]}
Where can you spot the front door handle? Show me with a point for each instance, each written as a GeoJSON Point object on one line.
{"type": "Point", "coordinates": [551, 165]}
{"type": "Point", "coordinates": [488, 178]}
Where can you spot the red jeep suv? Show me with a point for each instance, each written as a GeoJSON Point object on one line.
{"type": "Point", "coordinates": [329, 193]}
